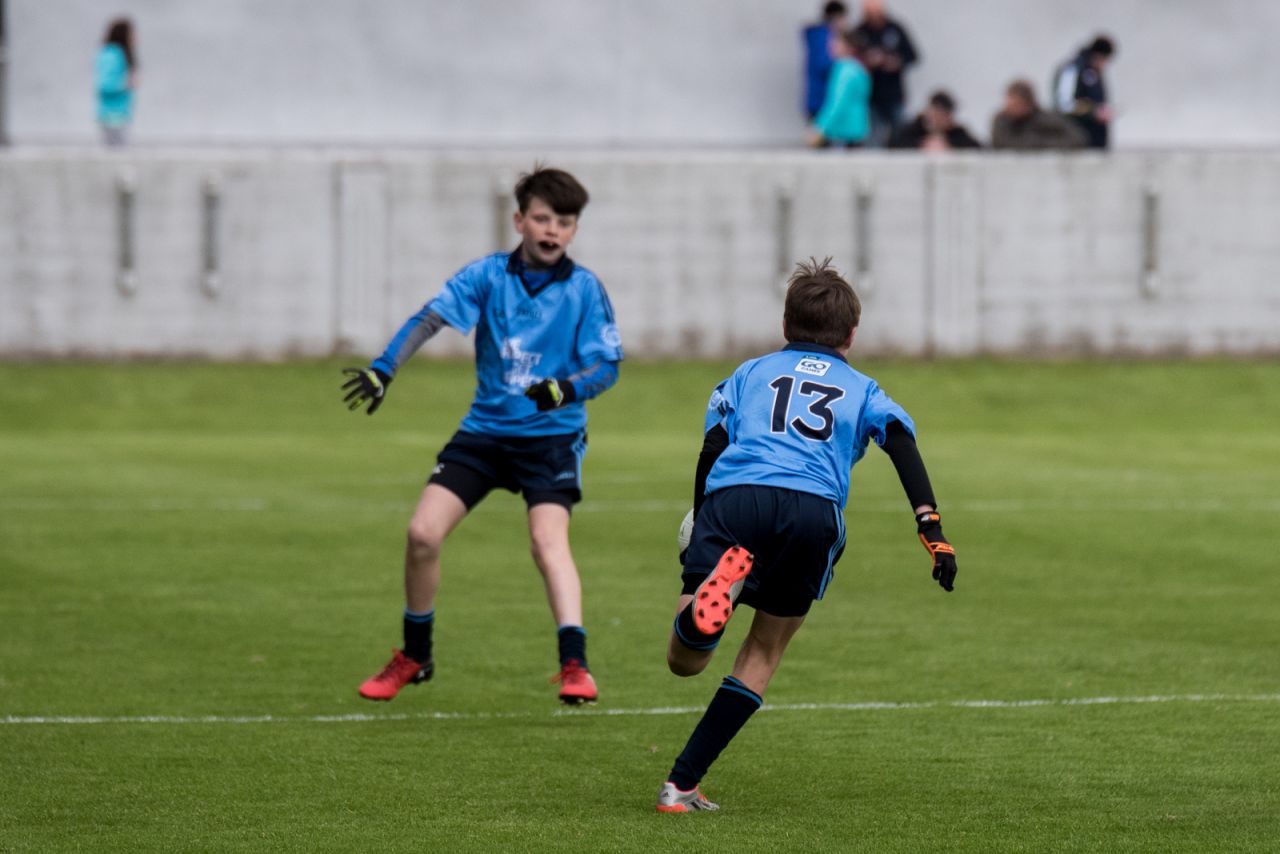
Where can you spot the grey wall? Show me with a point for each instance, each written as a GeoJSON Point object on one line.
{"type": "Point", "coordinates": [312, 253]}
{"type": "Point", "coordinates": [608, 72]}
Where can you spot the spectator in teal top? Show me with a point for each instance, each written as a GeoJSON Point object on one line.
{"type": "Point", "coordinates": [845, 115]}
{"type": "Point", "coordinates": [117, 77]}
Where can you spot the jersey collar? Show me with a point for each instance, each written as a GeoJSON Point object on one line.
{"type": "Point", "coordinates": [559, 273]}
{"type": "Point", "coordinates": [810, 347]}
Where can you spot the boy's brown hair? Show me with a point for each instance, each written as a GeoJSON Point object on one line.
{"type": "Point", "coordinates": [556, 187]}
{"type": "Point", "coordinates": [821, 307]}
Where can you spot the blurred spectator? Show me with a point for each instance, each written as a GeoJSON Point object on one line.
{"type": "Point", "coordinates": [117, 77]}
{"type": "Point", "coordinates": [818, 40]}
{"type": "Point", "coordinates": [935, 129]}
{"type": "Point", "coordinates": [843, 119]}
{"type": "Point", "coordinates": [889, 52]}
{"type": "Point", "coordinates": [1080, 92]}
{"type": "Point", "coordinates": [1022, 125]}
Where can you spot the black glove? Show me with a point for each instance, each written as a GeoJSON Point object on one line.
{"type": "Point", "coordinates": [929, 526]}
{"type": "Point", "coordinates": [365, 384]}
{"type": "Point", "coordinates": [551, 394]}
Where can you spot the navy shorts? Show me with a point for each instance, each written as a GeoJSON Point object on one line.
{"type": "Point", "coordinates": [796, 538]}
{"type": "Point", "coordinates": [545, 469]}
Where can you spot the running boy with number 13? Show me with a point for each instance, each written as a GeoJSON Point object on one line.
{"type": "Point", "coordinates": [782, 434]}
{"type": "Point", "coordinates": [545, 344]}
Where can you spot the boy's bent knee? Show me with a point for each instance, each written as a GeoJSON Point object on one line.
{"type": "Point", "coordinates": [686, 665]}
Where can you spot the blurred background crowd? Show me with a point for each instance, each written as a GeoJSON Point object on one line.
{"type": "Point", "coordinates": [856, 93]}
{"type": "Point", "coordinates": [922, 73]}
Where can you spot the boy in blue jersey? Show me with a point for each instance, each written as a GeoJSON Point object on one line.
{"type": "Point", "coordinates": [781, 435]}
{"type": "Point", "coordinates": [546, 343]}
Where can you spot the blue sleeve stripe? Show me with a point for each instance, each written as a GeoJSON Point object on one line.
{"type": "Point", "coordinates": [412, 335]}
{"type": "Point", "coordinates": [732, 684]}
{"type": "Point", "coordinates": [608, 304]}
{"type": "Point", "coordinates": [595, 380]}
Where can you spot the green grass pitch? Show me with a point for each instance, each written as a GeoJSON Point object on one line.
{"type": "Point", "coordinates": [188, 540]}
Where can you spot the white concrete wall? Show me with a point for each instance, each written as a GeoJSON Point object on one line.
{"type": "Point", "coordinates": [609, 72]}
{"type": "Point", "coordinates": [321, 252]}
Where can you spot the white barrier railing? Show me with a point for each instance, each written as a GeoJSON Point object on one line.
{"type": "Point", "coordinates": [275, 253]}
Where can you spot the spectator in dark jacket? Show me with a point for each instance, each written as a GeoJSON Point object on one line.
{"type": "Point", "coordinates": [888, 53]}
{"type": "Point", "coordinates": [935, 129]}
{"type": "Point", "coordinates": [1080, 92]}
{"type": "Point", "coordinates": [1023, 126]}
{"type": "Point", "coordinates": [818, 56]}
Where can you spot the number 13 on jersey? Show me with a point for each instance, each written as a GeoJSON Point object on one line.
{"type": "Point", "coordinates": [819, 398]}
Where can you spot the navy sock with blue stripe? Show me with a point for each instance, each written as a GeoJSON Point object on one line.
{"type": "Point", "coordinates": [687, 632]}
{"type": "Point", "coordinates": [729, 711]}
{"type": "Point", "coordinates": [573, 644]}
{"type": "Point", "coordinates": [417, 634]}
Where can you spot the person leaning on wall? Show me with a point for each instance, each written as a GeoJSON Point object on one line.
{"type": "Point", "coordinates": [117, 73]}
{"type": "Point", "coordinates": [1022, 126]}
{"type": "Point", "coordinates": [936, 128]}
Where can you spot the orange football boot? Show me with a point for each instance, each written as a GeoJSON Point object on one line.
{"type": "Point", "coordinates": [714, 598]}
{"type": "Point", "coordinates": [399, 672]}
{"type": "Point", "coordinates": [576, 684]}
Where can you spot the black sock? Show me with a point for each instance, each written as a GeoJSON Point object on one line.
{"type": "Point", "coordinates": [417, 635]}
{"type": "Point", "coordinates": [573, 644]}
{"type": "Point", "coordinates": [730, 709]}
{"type": "Point", "coordinates": [687, 632]}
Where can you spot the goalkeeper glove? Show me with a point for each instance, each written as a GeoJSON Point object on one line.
{"type": "Point", "coordinates": [551, 394]}
{"type": "Point", "coordinates": [929, 526]}
{"type": "Point", "coordinates": [365, 384]}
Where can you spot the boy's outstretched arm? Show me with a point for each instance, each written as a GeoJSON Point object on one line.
{"type": "Point", "coordinates": [900, 445]}
{"type": "Point", "coordinates": [370, 384]}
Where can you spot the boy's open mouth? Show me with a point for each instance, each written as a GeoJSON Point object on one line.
{"type": "Point", "coordinates": [548, 246]}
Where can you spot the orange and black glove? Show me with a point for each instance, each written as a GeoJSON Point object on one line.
{"type": "Point", "coordinates": [929, 526]}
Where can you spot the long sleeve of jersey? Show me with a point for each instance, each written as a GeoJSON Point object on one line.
{"type": "Point", "coordinates": [900, 445]}
{"type": "Point", "coordinates": [713, 445]}
{"type": "Point", "coordinates": [594, 381]}
{"type": "Point", "coordinates": [415, 332]}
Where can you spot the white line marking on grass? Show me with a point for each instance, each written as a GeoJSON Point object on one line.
{"type": "Point", "coordinates": [656, 505]}
{"type": "Point", "coordinates": [51, 720]}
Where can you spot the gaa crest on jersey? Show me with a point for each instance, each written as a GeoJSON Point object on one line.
{"type": "Point", "coordinates": [816, 367]}
{"type": "Point", "coordinates": [611, 336]}
{"type": "Point", "coordinates": [716, 403]}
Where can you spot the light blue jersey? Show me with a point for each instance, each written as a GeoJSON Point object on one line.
{"type": "Point", "coordinates": [798, 419]}
{"type": "Point", "coordinates": [528, 327]}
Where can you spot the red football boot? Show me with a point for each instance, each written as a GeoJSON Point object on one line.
{"type": "Point", "coordinates": [714, 598]}
{"type": "Point", "coordinates": [399, 672]}
{"type": "Point", "coordinates": [576, 684]}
